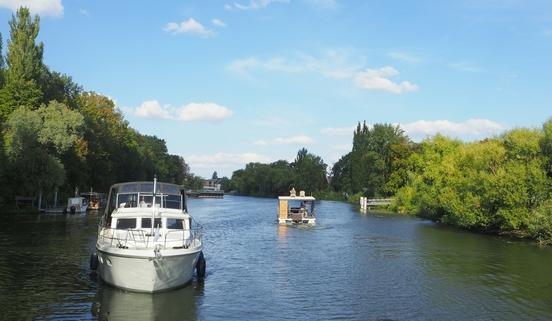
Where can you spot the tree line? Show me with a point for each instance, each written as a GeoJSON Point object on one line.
{"type": "Point", "coordinates": [55, 136]}
{"type": "Point", "coordinates": [498, 185]}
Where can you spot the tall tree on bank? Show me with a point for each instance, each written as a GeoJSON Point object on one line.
{"type": "Point", "coordinates": [376, 162]}
{"type": "Point", "coordinates": [1, 63]}
{"type": "Point", "coordinates": [24, 65]}
{"type": "Point", "coordinates": [310, 171]}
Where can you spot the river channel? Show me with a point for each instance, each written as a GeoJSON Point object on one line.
{"type": "Point", "coordinates": [351, 266]}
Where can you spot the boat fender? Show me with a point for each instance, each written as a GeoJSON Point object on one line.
{"type": "Point", "coordinates": [73, 209]}
{"type": "Point", "coordinates": [201, 266]}
{"type": "Point", "coordinates": [94, 261]}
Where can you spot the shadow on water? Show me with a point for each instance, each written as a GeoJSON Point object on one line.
{"type": "Point", "coordinates": [114, 304]}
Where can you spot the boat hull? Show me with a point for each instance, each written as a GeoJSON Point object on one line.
{"type": "Point", "coordinates": [147, 274]}
{"type": "Point", "coordinates": [305, 220]}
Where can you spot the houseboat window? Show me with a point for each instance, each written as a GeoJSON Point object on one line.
{"type": "Point", "coordinates": [127, 200]}
{"type": "Point", "coordinates": [146, 222]}
{"type": "Point", "coordinates": [126, 223]}
{"type": "Point", "coordinates": [174, 223]}
{"type": "Point", "coordinates": [173, 201]}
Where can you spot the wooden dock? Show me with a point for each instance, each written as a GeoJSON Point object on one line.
{"type": "Point", "coordinates": [367, 203]}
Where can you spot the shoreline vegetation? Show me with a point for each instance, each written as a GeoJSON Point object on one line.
{"type": "Point", "coordinates": [500, 185]}
{"type": "Point", "coordinates": [55, 136]}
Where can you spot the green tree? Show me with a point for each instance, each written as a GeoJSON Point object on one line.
{"type": "Point", "coordinates": [34, 141]}
{"type": "Point", "coordinates": [215, 175]}
{"type": "Point", "coordinates": [310, 171]}
{"type": "Point", "coordinates": [24, 65]}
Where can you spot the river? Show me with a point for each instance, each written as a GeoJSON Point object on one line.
{"type": "Point", "coordinates": [351, 266]}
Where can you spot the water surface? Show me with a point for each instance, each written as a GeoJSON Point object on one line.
{"type": "Point", "coordinates": [351, 266]}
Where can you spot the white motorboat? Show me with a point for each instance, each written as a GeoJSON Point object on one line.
{"type": "Point", "coordinates": [147, 242]}
{"type": "Point", "coordinates": [295, 209]}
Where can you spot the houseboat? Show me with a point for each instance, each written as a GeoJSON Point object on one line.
{"type": "Point", "coordinates": [147, 241]}
{"type": "Point", "coordinates": [295, 209]}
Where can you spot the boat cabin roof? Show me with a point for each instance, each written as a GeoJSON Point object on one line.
{"type": "Point", "coordinates": [297, 198]}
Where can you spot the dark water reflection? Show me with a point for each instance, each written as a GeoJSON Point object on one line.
{"type": "Point", "coordinates": [351, 266]}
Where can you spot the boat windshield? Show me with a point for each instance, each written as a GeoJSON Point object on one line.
{"type": "Point", "coordinates": [140, 194]}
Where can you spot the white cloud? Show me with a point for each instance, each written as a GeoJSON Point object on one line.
{"type": "Point", "coordinates": [377, 79]}
{"type": "Point", "coordinates": [52, 8]}
{"type": "Point", "coordinates": [190, 26]}
{"type": "Point", "coordinates": [294, 140]}
{"type": "Point", "coordinates": [224, 160]}
{"type": "Point", "coordinates": [472, 128]}
{"type": "Point", "coordinates": [338, 131]}
{"type": "Point", "coordinates": [153, 109]}
{"type": "Point", "coordinates": [466, 67]}
{"type": "Point", "coordinates": [203, 112]}
{"type": "Point", "coordinates": [252, 5]}
{"type": "Point", "coordinates": [334, 64]}
{"type": "Point", "coordinates": [191, 112]}
{"type": "Point", "coordinates": [401, 56]}
{"type": "Point", "coordinates": [218, 22]}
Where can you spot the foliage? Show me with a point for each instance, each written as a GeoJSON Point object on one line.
{"type": "Point", "coordinates": [24, 62]}
{"type": "Point", "coordinates": [34, 142]}
{"type": "Point", "coordinates": [53, 135]}
{"type": "Point", "coordinates": [376, 164]}
{"type": "Point", "coordinates": [493, 185]}
{"type": "Point", "coordinates": [307, 172]}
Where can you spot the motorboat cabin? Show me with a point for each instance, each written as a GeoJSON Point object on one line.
{"type": "Point", "coordinates": [147, 241]}
{"type": "Point", "coordinates": [295, 209]}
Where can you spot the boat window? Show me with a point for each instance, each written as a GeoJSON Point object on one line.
{"type": "Point", "coordinates": [173, 201]}
{"type": "Point", "coordinates": [146, 187]}
{"type": "Point", "coordinates": [174, 223]}
{"type": "Point", "coordinates": [125, 188]}
{"type": "Point", "coordinates": [169, 189]}
{"type": "Point", "coordinates": [146, 200]}
{"type": "Point", "coordinates": [146, 222]}
{"type": "Point", "coordinates": [127, 200]}
{"type": "Point", "coordinates": [126, 223]}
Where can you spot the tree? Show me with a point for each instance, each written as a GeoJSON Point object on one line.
{"type": "Point", "coordinates": [34, 141]}
{"type": "Point", "coordinates": [24, 62]}
{"type": "Point", "coordinates": [310, 171]}
{"type": "Point", "coordinates": [215, 176]}
{"type": "Point", "coordinates": [1, 63]}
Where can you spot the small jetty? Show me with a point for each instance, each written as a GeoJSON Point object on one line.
{"type": "Point", "coordinates": [367, 203]}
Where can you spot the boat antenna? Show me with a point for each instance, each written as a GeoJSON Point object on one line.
{"type": "Point", "coordinates": [153, 202]}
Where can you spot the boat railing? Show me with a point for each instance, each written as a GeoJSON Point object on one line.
{"type": "Point", "coordinates": [142, 239]}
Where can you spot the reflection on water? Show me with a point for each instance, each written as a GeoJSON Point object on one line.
{"type": "Point", "coordinates": [114, 304]}
{"type": "Point", "coordinates": [350, 266]}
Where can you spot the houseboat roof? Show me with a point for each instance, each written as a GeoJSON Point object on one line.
{"type": "Point", "coordinates": [297, 198]}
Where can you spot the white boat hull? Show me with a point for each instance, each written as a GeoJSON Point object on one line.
{"type": "Point", "coordinates": [289, 221]}
{"type": "Point", "coordinates": [147, 273]}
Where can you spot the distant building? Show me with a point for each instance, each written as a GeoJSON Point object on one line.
{"type": "Point", "coordinates": [211, 184]}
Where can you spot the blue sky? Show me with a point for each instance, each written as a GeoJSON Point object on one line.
{"type": "Point", "coordinates": [229, 82]}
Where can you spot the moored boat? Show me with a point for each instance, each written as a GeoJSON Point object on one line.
{"type": "Point", "coordinates": [147, 241]}
{"type": "Point", "coordinates": [295, 209]}
{"type": "Point", "coordinates": [95, 200]}
{"type": "Point", "coordinates": [76, 205]}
